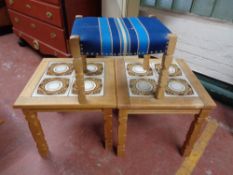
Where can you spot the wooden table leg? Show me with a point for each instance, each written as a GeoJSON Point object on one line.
{"type": "Point", "coordinates": [37, 132]}
{"type": "Point", "coordinates": [122, 131]}
{"type": "Point", "coordinates": [146, 62]}
{"type": "Point", "coordinates": [194, 132]}
{"type": "Point", "coordinates": [108, 128]}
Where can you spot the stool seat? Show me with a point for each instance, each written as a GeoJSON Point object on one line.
{"type": "Point", "coordinates": [121, 36]}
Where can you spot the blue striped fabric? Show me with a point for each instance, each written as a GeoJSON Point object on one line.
{"type": "Point", "coordinates": [120, 36]}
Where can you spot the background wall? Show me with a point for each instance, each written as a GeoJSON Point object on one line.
{"type": "Point", "coordinates": [206, 44]}
{"type": "Point", "coordinates": [112, 8]}
{"type": "Point", "coordinates": [120, 8]}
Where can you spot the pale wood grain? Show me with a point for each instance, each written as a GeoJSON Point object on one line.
{"type": "Point", "coordinates": [108, 128]}
{"type": "Point", "coordinates": [78, 66]}
{"type": "Point", "coordinates": [146, 62]}
{"type": "Point", "coordinates": [194, 132]}
{"type": "Point", "coordinates": [108, 100]}
{"type": "Point", "coordinates": [37, 132]}
{"type": "Point", "coordinates": [151, 103]}
{"type": "Point", "coordinates": [199, 106]}
{"type": "Point", "coordinates": [166, 62]}
{"type": "Point", "coordinates": [122, 130]}
{"type": "Point", "coordinates": [31, 104]}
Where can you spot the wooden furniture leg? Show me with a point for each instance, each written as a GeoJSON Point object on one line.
{"type": "Point", "coordinates": [166, 62]}
{"type": "Point", "coordinates": [146, 62]}
{"type": "Point", "coordinates": [78, 66]}
{"type": "Point", "coordinates": [37, 132]}
{"type": "Point", "coordinates": [163, 77]}
{"type": "Point", "coordinates": [122, 131]}
{"type": "Point", "coordinates": [108, 128]}
{"type": "Point", "coordinates": [84, 62]}
{"type": "Point", "coordinates": [194, 132]}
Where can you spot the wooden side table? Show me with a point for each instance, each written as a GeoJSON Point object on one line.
{"type": "Point", "coordinates": [51, 88]}
{"type": "Point", "coordinates": [183, 95]}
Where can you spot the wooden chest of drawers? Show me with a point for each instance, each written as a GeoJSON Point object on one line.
{"type": "Point", "coordinates": [46, 24]}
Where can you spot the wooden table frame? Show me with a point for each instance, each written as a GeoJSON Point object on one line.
{"type": "Point", "coordinates": [31, 105]}
{"type": "Point", "coordinates": [198, 106]}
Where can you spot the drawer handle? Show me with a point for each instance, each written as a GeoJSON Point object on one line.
{"type": "Point", "coordinates": [16, 19]}
{"type": "Point", "coordinates": [11, 2]}
{"type": "Point", "coordinates": [36, 45]}
{"type": "Point", "coordinates": [53, 35]}
{"type": "Point", "coordinates": [28, 6]}
{"type": "Point", "coordinates": [49, 15]}
{"type": "Point", "coordinates": [33, 25]}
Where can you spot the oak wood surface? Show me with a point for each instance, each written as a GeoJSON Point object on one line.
{"type": "Point", "coordinates": [108, 128]}
{"type": "Point", "coordinates": [169, 103]}
{"type": "Point", "coordinates": [199, 106]}
{"type": "Point", "coordinates": [194, 131]}
{"type": "Point", "coordinates": [202, 93]}
{"type": "Point", "coordinates": [165, 63]}
{"type": "Point", "coordinates": [122, 132]}
{"type": "Point", "coordinates": [78, 67]}
{"type": "Point", "coordinates": [108, 100]}
{"type": "Point", "coordinates": [30, 105]}
{"type": "Point", "coordinates": [37, 132]}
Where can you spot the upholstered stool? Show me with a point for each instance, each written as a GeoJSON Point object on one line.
{"type": "Point", "coordinates": [92, 36]}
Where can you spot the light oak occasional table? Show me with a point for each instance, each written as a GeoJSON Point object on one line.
{"type": "Point", "coordinates": [33, 98]}
{"type": "Point", "coordinates": [195, 100]}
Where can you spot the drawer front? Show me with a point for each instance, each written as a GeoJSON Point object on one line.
{"type": "Point", "coordinates": [44, 32]}
{"type": "Point", "coordinates": [52, 1]}
{"type": "Point", "coordinates": [38, 9]}
{"type": "Point", "coordinates": [40, 46]}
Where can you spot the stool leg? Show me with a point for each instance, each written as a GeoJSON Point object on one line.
{"type": "Point", "coordinates": [122, 131]}
{"type": "Point", "coordinates": [78, 66]}
{"type": "Point", "coordinates": [80, 80]}
{"type": "Point", "coordinates": [163, 77]}
{"type": "Point", "coordinates": [166, 61]}
{"type": "Point", "coordinates": [84, 60]}
{"type": "Point", "coordinates": [108, 128]}
{"type": "Point", "coordinates": [37, 132]}
{"type": "Point", "coordinates": [146, 62]}
{"type": "Point", "coordinates": [194, 132]}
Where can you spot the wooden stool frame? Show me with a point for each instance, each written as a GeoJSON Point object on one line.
{"type": "Point", "coordinates": [80, 62]}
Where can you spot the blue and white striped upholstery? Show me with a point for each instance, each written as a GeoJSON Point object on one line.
{"type": "Point", "coordinates": [120, 36]}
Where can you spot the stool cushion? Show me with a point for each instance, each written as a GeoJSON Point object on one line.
{"type": "Point", "coordinates": [120, 36]}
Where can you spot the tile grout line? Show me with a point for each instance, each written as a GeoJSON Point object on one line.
{"type": "Point", "coordinates": [191, 161]}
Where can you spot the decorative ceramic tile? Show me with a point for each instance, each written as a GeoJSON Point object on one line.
{"type": "Point", "coordinates": [93, 87]}
{"type": "Point", "coordinates": [53, 86]}
{"type": "Point", "coordinates": [136, 69]}
{"type": "Point", "coordinates": [178, 84]}
{"type": "Point", "coordinates": [142, 87]}
{"type": "Point", "coordinates": [94, 69]}
{"type": "Point", "coordinates": [180, 87]}
{"type": "Point", "coordinates": [60, 69]}
{"type": "Point", "coordinates": [173, 70]}
{"type": "Point", "coordinates": [58, 80]}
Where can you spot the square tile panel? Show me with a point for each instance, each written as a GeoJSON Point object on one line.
{"type": "Point", "coordinates": [59, 78]}
{"type": "Point", "coordinates": [143, 83]}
